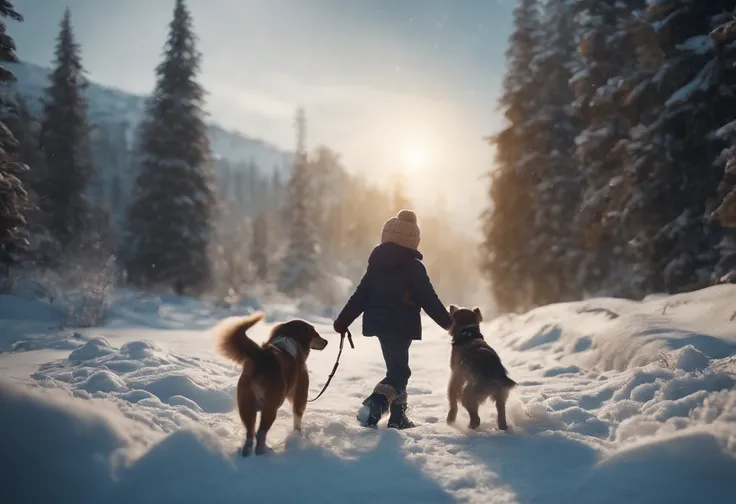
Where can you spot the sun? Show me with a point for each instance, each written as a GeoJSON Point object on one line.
{"type": "Point", "coordinates": [416, 158]}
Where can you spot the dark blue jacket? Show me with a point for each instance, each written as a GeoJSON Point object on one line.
{"type": "Point", "coordinates": [393, 290]}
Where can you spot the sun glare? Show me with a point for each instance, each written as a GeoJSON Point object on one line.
{"type": "Point", "coordinates": [416, 158]}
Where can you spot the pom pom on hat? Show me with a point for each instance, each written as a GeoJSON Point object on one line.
{"type": "Point", "coordinates": [407, 216]}
{"type": "Point", "coordinates": [402, 230]}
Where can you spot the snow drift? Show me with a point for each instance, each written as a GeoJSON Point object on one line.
{"type": "Point", "coordinates": [618, 401]}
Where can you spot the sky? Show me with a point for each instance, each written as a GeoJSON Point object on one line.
{"type": "Point", "coordinates": [406, 86]}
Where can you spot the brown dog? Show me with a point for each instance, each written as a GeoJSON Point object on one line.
{"type": "Point", "coordinates": [272, 372]}
{"type": "Point", "coordinates": [477, 372]}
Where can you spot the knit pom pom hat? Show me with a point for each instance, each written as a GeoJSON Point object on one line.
{"type": "Point", "coordinates": [402, 230]}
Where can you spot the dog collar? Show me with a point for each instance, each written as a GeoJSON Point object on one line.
{"type": "Point", "coordinates": [466, 333]}
{"type": "Point", "coordinates": [285, 345]}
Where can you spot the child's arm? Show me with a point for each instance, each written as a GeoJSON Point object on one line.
{"type": "Point", "coordinates": [353, 308]}
{"type": "Point", "coordinates": [424, 294]}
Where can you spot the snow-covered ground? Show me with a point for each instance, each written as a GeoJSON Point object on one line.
{"type": "Point", "coordinates": [618, 402]}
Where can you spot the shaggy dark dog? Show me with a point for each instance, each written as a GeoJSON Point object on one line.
{"type": "Point", "coordinates": [477, 372]}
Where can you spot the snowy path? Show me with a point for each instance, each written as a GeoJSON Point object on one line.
{"type": "Point", "coordinates": [618, 401]}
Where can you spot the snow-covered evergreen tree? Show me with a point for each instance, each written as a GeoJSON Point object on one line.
{"type": "Point", "coordinates": [224, 179]}
{"type": "Point", "coordinates": [170, 220]}
{"type": "Point", "coordinates": [300, 268]}
{"type": "Point", "coordinates": [725, 213]}
{"type": "Point", "coordinates": [259, 247]}
{"type": "Point", "coordinates": [654, 90]}
{"type": "Point", "coordinates": [327, 180]}
{"type": "Point", "coordinates": [24, 126]}
{"type": "Point", "coordinates": [231, 268]}
{"type": "Point", "coordinates": [673, 172]}
{"type": "Point", "coordinates": [724, 37]}
{"type": "Point", "coordinates": [112, 159]}
{"type": "Point", "coordinates": [507, 258]}
{"type": "Point", "coordinates": [276, 189]}
{"type": "Point", "coordinates": [65, 144]}
{"type": "Point", "coordinates": [14, 203]}
{"type": "Point", "coordinates": [238, 189]}
{"type": "Point", "coordinates": [556, 243]}
{"type": "Point", "coordinates": [606, 57]}
{"type": "Point", "coordinates": [254, 197]}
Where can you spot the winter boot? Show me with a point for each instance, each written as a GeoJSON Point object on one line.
{"type": "Point", "coordinates": [373, 409]}
{"type": "Point", "coordinates": [376, 405]}
{"type": "Point", "coordinates": [398, 419]}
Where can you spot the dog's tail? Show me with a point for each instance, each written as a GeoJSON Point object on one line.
{"type": "Point", "coordinates": [496, 378]}
{"type": "Point", "coordinates": [509, 383]}
{"type": "Point", "coordinates": [501, 378]}
{"type": "Point", "coordinates": [496, 382]}
{"type": "Point", "coordinates": [488, 369]}
{"type": "Point", "coordinates": [233, 342]}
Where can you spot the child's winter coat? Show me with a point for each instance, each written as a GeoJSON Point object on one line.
{"type": "Point", "coordinates": [393, 290]}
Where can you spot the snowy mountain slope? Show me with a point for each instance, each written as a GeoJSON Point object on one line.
{"type": "Point", "coordinates": [113, 106]}
{"type": "Point", "coordinates": [618, 402]}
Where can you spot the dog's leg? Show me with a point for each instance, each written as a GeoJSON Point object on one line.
{"type": "Point", "coordinates": [471, 403]}
{"type": "Point", "coordinates": [247, 446]}
{"type": "Point", "coordinates": [299, 401]}
{"type": "Point", "coordinates": [268, 417]}
{"type": "Point", "coordinates": [247, 411]}
{"type": "Point", "coordinates": [454, 390]}
{"type": "Point", "coordinates": [249, 420]}
{"type": "Point", "coordinates": [501, 409]}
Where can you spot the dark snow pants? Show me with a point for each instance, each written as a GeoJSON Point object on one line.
{"type": "Point", "coordinates": [396, 356]}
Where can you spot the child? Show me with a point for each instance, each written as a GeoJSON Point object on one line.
{"type": "Point", "coordinates": [390, 295]}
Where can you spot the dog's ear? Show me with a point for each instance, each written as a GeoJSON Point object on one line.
{"type": "Point", "coordinates": [297, 330]}
{"type": "Point", "coordinates": [477, 312]}
{"type": "Point", "coordinates": [452, 308]}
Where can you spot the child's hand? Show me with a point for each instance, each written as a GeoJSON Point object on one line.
{"type": "Point", "coordinates": [339, 328]}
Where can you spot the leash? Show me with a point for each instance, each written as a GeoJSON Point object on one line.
{"type": "Point", "coordinates": [337, 362]}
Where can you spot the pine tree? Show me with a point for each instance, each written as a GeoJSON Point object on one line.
{"type": "Point", "coordinates": [725, 212]}
{"type": "Point", "coordinates": [170, 220]}
{"type": "Point", "coordinates": [507, 257]}
{"type": "Point", "coordinates": [42, 248]}
{"type": "Point", "coordinates": [606, 58]}
{"type": "Point", "coordinates": [278, 213]}
{"type": "Point", "coordinates": [556, 245]}
{"type": "Point", "coordinates": [327, 183]}
{"type": "Point", "coordinates": [300, 267]}
{"type": "Point", "coordinates": [259, 247]}
{"type": "Point", "coordinates": [239, 189]}
{"type": "Point", "coordinates": [276, 188]}
{"type": "Point", "coordinates": [673, 168]}
{"type": "Point", "coordinates": [655, 159]}
{"type": "Point", "coordinates": [65, 144]}
{"type": "Point", "coordinates": [635, 103]}
{"type": "Point", "coordinates": [254, 197]}
{"type": "Point", "coordinates": [14, 203]}
{"type": "Point", "coordinates": [230, 265]}
{"type": "Point", "coordinates": [224, 179]}
{"type": "Point", "coordinates": [24, 126]}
